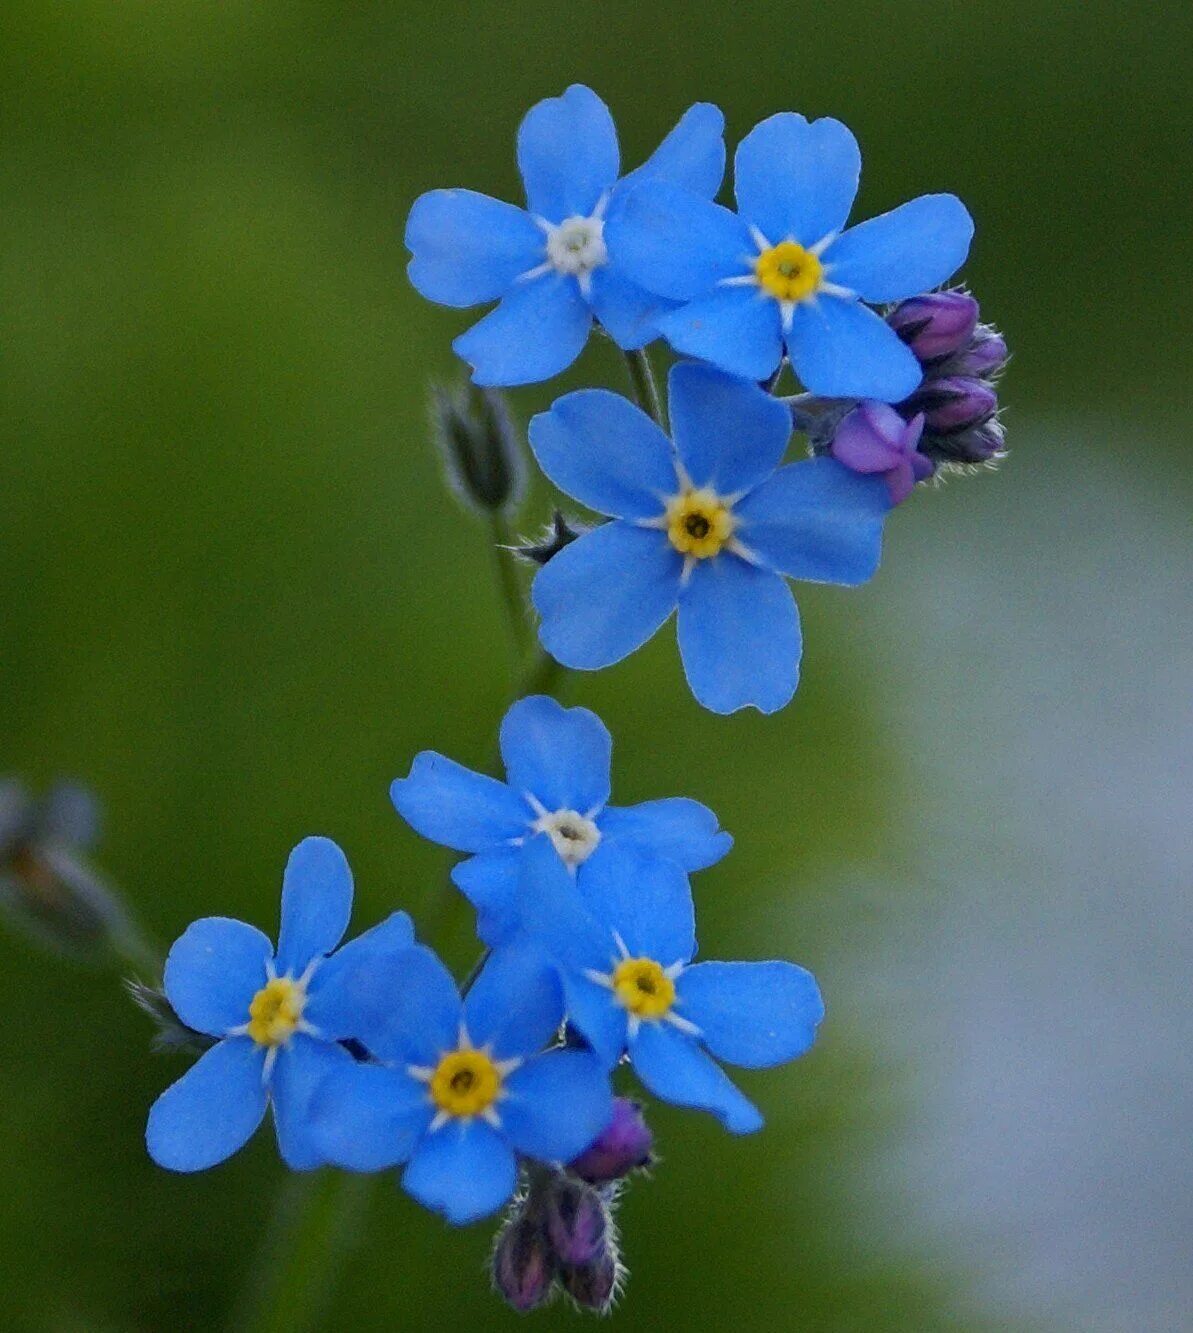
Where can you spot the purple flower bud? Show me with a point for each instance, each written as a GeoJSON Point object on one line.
{"type": "Point", "coordinates": [874, 438]}
{"type": "Point", "coordinates": [935, 325]}
{"type": "Point", "coordinates": [954, 403]}
{"type": "Point", "coordinates": [982, 444]}
{"type": "Point", "coordinates": [523, 1264]}
{"type": "Point", "coordinates": [577, 1222]}
{"type": "Point", "coordinates": [985, 355]}
{"type": "Point", "coordinates": [593, 1285]}
{"type": "Point", "coordinates": [625, 1145]}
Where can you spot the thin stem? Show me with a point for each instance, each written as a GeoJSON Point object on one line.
{"type": "Point", "coordinates": [544, 675]}
{"type": "Point", "coordinates": [508, 585]}
{"type": "Point", "coordinates": [646, 390]}
{"type": "Point", "coordinates": [308, 1242]}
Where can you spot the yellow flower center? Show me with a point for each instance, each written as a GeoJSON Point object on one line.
{"type": "Point", "coordinates": [276, 1011]}
{"type": "Point", "coordinates": [788, 271]}
{"type": "Point", "coordinates": [642, 987]}
{"type": "Point", "coordinates": [465, 1083]}
{"type": "Point", "coordinates": [699, 523]}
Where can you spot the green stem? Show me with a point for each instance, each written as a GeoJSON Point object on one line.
{"type": "Point", "coordinates": [308, 1243]}
{"type": "Point", "coordinates": [507, 582]}
{"type": "Point", "coordinates": [544, 675]}
{"type": "Point", "coordinates": [646, 390]}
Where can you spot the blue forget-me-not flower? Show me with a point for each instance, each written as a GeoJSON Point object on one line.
{"type": "Point", "coordinates": [556, 791]}
{"type": "Point", "coordinates": [784, 273]}
{"type": "Point", "coordinates": [465, 1086]}
{"type": "Point", "coordinates": [625, 962]}
{"type": "Point", "coordinates": [710, 526]}
{"type": "Point", "coordinates": [550, 264]}
{"type": "Point", "coordinates": [279, 1016]}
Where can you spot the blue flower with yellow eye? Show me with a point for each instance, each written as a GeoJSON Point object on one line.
{"type": "Point", "coordinates": [464, 1088]}
{"type": "Point", "coordinates": [550, 264]}
{"type": "Point", "coordinates": [278, 1017]}
{"type": "Point", "coordinates": [709, 526]}
{"type": "Point", "coordinates": [784, 273]}
{"type": "Point", "coordinates": [556, 791]}
{"type": "Point", "coordinates": [630, 986]}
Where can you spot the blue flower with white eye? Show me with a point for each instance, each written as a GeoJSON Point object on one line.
{"type": "Point", "coordinates": [625, 962]}
{"type": "Point", "coordinates": [556, 792]}
{"type": "Point", "coordinates": [550, 265]}
{"type": "Point", "coordinates": [710, 526]}
{"type": "Point", "coordinates": [783, 273]}
{"type": "Point", "coordinates": [279, 1017]}
{"type": "Point", "coordinates": [465, 1087]}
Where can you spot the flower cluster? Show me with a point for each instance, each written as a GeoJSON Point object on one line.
{"type": "Point", "coordinates": [502, 1092]}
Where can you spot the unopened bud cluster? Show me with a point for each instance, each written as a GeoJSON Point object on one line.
{"type": "Point", "coordinates": [479, 446]}
{"type": "Point", "coordinates": [560, 1235]}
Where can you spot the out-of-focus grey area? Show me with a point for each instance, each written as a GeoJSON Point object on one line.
{"type": "Point", "coordinates": [235, 600]}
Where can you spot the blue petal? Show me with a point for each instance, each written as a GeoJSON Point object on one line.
{"type": "Point", "coordinates": [450, 804]}
{"type": "Point", "coordinates": [626, 311]}
{"type": "Point", "coordinates": [557, 1105]}
{"type": "Point", "coordinates": [302, 1065]}
{"type": "Point", "coordinates": [536, 332]}
{"type": "Point", "coordinates": [407, 1006]}
{"type": "Point", "coordinates": [645, 899]}
{"type": "Point", "coordinates": [465, 1171]}
{"type": "Point", "coordinates": [369, 1117]}
{"type": "Point", "coordinates": [674, 243]}
{"type": "Point", "coordinates": [752, 1014]}
{"type": "Point", "coordinates": [729, 433]}
{"type": "Point", "coordinates": [332, 996]}
{"type": "Point", "coordinates": [738, 329]}
{"type": "Point", "coordinates": [606, 594]}
{"type": "Point", "coordinates": [674, 1068]}
{"type": "Point", "coordinates": [567, 154]}
{"type": "Point", "coordinates": [316, 904]}
{"type": "Point", "coordinates": [675, 827]}
{"type": "Point", "coordinates": [490, 883]}
{"type": "Point", "coordinates": [469, 248]}
{"type": "Point", "coordinates": [603, 451]}
{"type": "Point", "coordinates": [553, 914]}
{"type": "Point", "coordinates": [817, 520]}
{"type": "Point", "coordinates": [593, 1011]}
{"type": "Point", "coordinates": [739, 636]}
{"type": "Point", "coordinates": [514, 1006]}
{"type": "Point", "coordinates": [212, 1110]}
{"type": "Point", "coordinates": [904, 252]}
{"type": "Point", "coordinates": [559, 755]}
{"type": "Point", "coordinates": [213, 971]}
{"type": "Point", "coordinates": [841, 349]}
{"type": "Point", "coordinates": [797, 180]}
{"type": "Point", "coordinates": [691, 156]}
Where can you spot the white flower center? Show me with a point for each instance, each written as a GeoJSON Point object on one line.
{"type": "Point", "coordinates": [577, 246]}
{"type": "Point", "coordinates": [573, 836]}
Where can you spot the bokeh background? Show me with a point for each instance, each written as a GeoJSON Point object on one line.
{"type": "Point", "coordinates": [236, 600]}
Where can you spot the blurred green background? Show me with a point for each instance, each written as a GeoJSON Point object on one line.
{"type": "Point", "coordinates": [236, 600]}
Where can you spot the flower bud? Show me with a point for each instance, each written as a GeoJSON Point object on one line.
{"type": "Point", "coordinates": [984, 444]}
{"type": "Point", "coordinates": [594, 1285]}
{"type": "Point", "coordinates": [624, 1146]}
{"type": "Point", "coordinates": [523, 1265]}
{"type": "Point", "coordinates": [935, 325]}
{"type": "Point", "coordinates": [983, 357]}
{"type": "Point", "coordinates": [577, 1222]}
{"type": "Point", "coordinates": [481, 455]}
{"type": "Point", "coordinates": [952, 404]}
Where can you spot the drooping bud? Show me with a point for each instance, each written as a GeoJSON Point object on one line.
{"type": "Point", "coordinates": [576, 1220]}
{"type": "Point", "coordinates": [481, 453]}
{"type": "Point", "coordinates": [952, 404]}
{"type": "Point", "coordinates": [983, 357]}
{"type": "Point", "coordinates": [523, 1265]}
{"type": "Point", "coordinates": [559, 534]}
{"type": "Point", "coordinates": [593, 1286]}
{"type": "Point", "coordinates": [623, 1147]}
{"type": "Point", "coordinates": [935, 325]}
